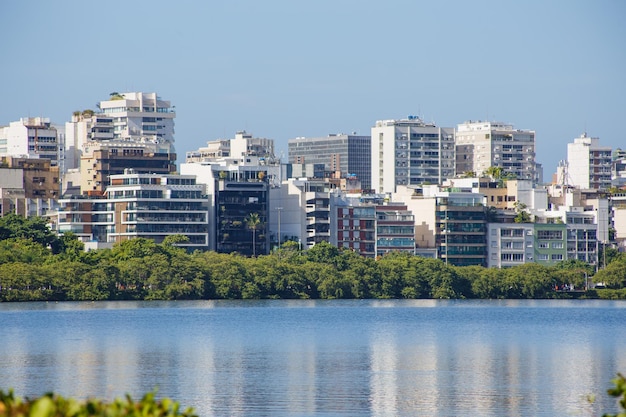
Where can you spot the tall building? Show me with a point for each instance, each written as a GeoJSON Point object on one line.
{"type": "Point", "coordinates": [481, 145]}
{"type": "Point", "coordinates": [238, 173]}
{"type": "Point", "coordinates": [140, 116]}
{"type": "Point", "coordinates": [618, 169]}
{"type": "Point", "coordinates": [348, 154]}
{"type": "Point", "coordinates": [129, 131]}
{"type": "Point", "coordinates": [30, 137]}
{"type": "Point", "coordinates": [410, 152]}
{"type": "Point", "coordinates": [450, 224]}
{"type": "Point", "coordinates": [150, 206]}
{"type": "Point", "coordinates": [588, 163]}
{"type": "Point", "coordinates": [102, 159]}
{"type": "Point", "coordinates": [86, 126]}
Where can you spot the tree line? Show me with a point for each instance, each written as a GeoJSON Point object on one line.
{"type": "Point", "coordinates": [35, 264]}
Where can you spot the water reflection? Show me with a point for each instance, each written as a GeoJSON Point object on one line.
{"type": "Point", "coordinates": [379, 358]}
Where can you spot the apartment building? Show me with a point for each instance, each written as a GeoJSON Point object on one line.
{"type": "Point", "coordinates": [30, 137]}
{"type": "Point", "coordinates": [238, 174]}
{"type": "Point", "coordinates": [410, 152]}
{"type": "Point", "coordinates": [589, 164]}
{"type": "Point", "coordinates": [28, 186]}
{"type": "Point", "coordinates": [86, 126]}
{"type": "Point", "coordinates": [242, 145]}
{"type": "Point", "coordinates": [395, 229]}
{"type": "Point", "coordinates": [481, 145]}
{"type": "Point", "coordinates": [140, 116]}
{"type": "Point", "coordinates": [101, 160]}
{"type": "Point", "coordinates": [150, 206]}
{"type": "Point", "coordinates": [347, 154]}
{"type": "Point", "coordinates": [353, 224]}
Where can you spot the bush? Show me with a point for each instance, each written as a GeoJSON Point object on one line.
{"type": "Point", "coordinates": [52, 405]}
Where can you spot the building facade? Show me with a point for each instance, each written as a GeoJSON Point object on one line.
{"type": "Point", "coordinates": [481, 145]}
{"type": "Point", "coordinates": [140, 116]}
{"type": "Point", "coordinates": [30, 137]}
{"type": "Point", "coordinates": [86, 126]}
{"type": "Point", "coordinates": [347, 154]}
{"type": "Point", "coordinates": [353, 226]}
{"type": "Point", "coordinates": [151, 206]}
{"type": "Point", "coordinates": [588, 163]}
{"type": "Point", "coordinates": [461, 228]}
{"type": "Point", "coordinates": [240, 195]}
{"type": "Point", "coordinates": [102, 160]}
{"type": "Point", "coordinates": [241, 146]}
{"type": "Point", "coordinates": [410, 152]}
{"type": "Point", "coordinates": [395, 229]}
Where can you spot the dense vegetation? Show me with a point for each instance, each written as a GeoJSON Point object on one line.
{"type": "Point", "coordinates": [37, 265]}
{"type": "Point", "coordinates": [52, 405]}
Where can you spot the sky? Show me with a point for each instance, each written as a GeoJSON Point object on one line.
{"type": "Point", "coordinates": [287, 69]}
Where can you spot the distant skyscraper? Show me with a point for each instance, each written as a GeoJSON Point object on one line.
{"type": "Point", "coordinates": [480, 145]}
{"type": "Point", "coordinates": [410, 152]}
{"type": "Point", "coordinates": [348, 154]}
{"type": "Point", "coordinates": [589, 164]}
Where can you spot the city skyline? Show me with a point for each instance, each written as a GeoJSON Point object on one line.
{"type": "Point", "coordinates": [281, 70]}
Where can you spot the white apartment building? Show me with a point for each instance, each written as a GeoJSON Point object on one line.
{"type": "Point", "coordinates": [480, 145]}
{"type": "Point", "coordinates": [140, 116]}
{"type": "Point", "coordinates": [242, 145]}
{"type": "Point", "coordinates": [410, 152]}
{"type": "Point", "coordinates": [30, 137]}
{"type": "Point", "coordinates": [86, 126]}
{"type": "Point", "coordinates": [151, 206]}
{"type": "Point", "coordinates": [588, 163]}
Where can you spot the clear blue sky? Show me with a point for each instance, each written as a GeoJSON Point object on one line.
{"type": "Point", "coordinates": [283, 69]}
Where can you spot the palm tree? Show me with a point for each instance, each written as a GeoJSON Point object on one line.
{"type": "Point", "coordinates": [253, 221]}
{"type": "Point", "coordinates": [494, 172]}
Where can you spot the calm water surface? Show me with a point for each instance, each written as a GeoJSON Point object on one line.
{"type": "Point", "coordinates": [323, 358]}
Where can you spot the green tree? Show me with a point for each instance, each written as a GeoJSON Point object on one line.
{"type": "Point", "coordinates": [493, 172]}
{"type": "Point", "coordinates": [33, 228]}
{"type": "Point", "coordinates": [174, 240]}
{"type": "Point", "coordinates": [522, 214]}
{"type": "Point", "coordinates": [323, 252]}
{"type": "Point", "coordinates": [253, 221]}
{"type": "Point", "coordinates": [614, 275]}
{"type": "Point", "coordinates": [22, 250]}
{"type": "Point", "coordinates": [488, 283]}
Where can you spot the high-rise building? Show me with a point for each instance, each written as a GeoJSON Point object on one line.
{"type": "Point", "coordinates": [481, 145]}
{"type": "Point", "coordinates": [86, 126]}
{"type": "Point", "coordinates": [102, 159]}
{"type": "Point", "coordinates": [410, 152]}
{"type": "Point", "coordinates": [238, 174]}
{"type": "Point", "coordinates": [150, 206]}
{"type": "Point", "coordinates": [30, 137]}
{"type": "Point", "coordinates": [588, 163]}
{"type": "Point", "coordinates": [129, 131]}
{"type": "Point", "coordinates": [347, 154]}
{"type": "Point", "coordinates": [140, 116]}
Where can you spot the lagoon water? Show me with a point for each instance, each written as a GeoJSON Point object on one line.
{"type": "Point", "coordinates": [323, 358]}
